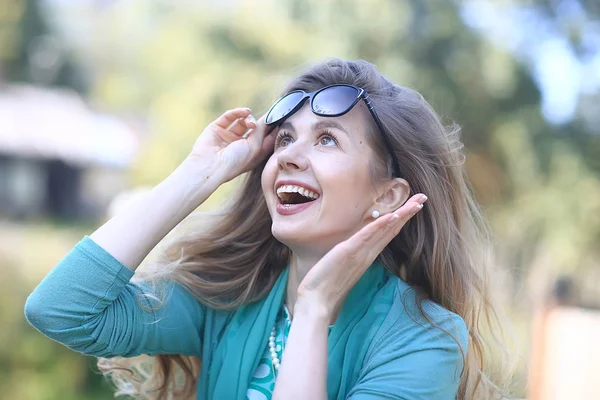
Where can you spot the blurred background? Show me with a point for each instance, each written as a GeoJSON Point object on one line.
{"type": "Point", "coordinates": [102, 99]}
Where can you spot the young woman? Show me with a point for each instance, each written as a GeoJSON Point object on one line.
{"type": "Point", "coordinates": [351, 264]}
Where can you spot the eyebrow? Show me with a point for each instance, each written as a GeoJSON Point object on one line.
{"type": "Point", "coordinates": [316, 126]}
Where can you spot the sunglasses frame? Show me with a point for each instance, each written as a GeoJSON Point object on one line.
{"type": "Point", "coordinates": [361, 94]}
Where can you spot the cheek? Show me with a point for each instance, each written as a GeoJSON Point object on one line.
{"type": "Point", "coordinates": [268, 176]}
{"type": "Point", "coordinates": [349, 191]}
{"type": "Point", "coordinates": [346, 201]}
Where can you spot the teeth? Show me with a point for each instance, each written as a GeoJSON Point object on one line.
{"type": "Point", "coordinates": [297, 189]}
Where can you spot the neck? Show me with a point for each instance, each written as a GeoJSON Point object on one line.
{"type": "Point", "coordinates": [300, 265]}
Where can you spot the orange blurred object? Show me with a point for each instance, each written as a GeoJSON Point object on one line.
{"type": "Point", "coordinates": [565, 350]}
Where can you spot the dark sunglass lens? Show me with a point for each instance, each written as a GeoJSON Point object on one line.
{"type": "Point", "coordinates": [334, 100]}
{"type": "Point", "coordinates": [284, 106]}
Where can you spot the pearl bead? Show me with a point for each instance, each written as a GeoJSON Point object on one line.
{"type": "Point", "coordinates": [272, 350]}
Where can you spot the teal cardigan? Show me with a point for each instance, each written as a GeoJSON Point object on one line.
{"type": "Point", "coordinates": [380, 347]}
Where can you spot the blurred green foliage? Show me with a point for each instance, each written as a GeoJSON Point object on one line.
{"type": "Point", "coordinates": [32, 367]}
{"type": "Point", "coordinates": [179, 67]}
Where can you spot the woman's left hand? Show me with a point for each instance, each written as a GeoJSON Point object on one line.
{"type": "Point", "coordinates": [328, 283]}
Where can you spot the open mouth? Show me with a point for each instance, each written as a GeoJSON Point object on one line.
{"type": "Point", "coordinates": [293, 194]}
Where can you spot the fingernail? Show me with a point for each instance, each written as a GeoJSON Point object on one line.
{"type": "Point", "coordinates": [417, 208]}
{"type": "Point", "coordinates": [423, 198]}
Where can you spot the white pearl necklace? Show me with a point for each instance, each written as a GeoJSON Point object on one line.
{"type": "Point", "coordinates": [273, 350]}
{"type": "Point", "coordinates": [274, 358]}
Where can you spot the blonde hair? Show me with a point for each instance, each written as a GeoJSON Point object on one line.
{"type": "Point", "coordinates": [443, 253]}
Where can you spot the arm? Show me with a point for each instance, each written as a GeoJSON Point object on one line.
{"type": "Point", "coordinates": [303, 375]}
{"type": "Point", "coordinates": [88, 304]}
{"type": "Point", "coordinates": [131, 234]}
{"type": "Point", "coordinates": [221, 153]}
{"type": "Point", "coordinates": [424, 365]}
{"type": "Point", "coordinates": [86, 301]}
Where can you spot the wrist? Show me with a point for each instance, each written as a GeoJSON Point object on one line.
{"type": "Point", "coordinates": [193, 181]}
{"type": "Point", "coordinates": [196, 173]}
{"type": "Point", "coordinates": [311, 308]}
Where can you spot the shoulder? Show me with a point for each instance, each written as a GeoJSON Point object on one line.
{"type": "Point", "coordinates": [414, 356]}
{"type": "Point", "coordinates": [406, 325]}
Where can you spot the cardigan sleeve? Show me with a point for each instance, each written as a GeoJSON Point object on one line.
{"type": "Point", "coordinates": [414, 362]}
{"type": "Point", "coordinates": [88, 303]}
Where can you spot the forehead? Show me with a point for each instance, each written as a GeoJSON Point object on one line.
{"type": "Point", "coordinates": [354, 122]}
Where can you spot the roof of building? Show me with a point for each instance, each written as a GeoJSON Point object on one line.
{"type": "Point", "coordinates": [57, 124]}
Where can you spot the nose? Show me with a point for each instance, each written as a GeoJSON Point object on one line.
{"type": "Point", "coordinates": [292, 158]}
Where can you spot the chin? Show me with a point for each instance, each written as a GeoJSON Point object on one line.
{"type": "Point", "coordinates": [296, 236]}
{"type": "Point", "coordinates": [303, 240]}
{"type": "Point", "coordinates": [288, 234]}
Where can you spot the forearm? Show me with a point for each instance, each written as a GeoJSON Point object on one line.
{"type": "Point", "coordinates": [88, 304]}
{"type": "Point", "coordinates": [131, 234]}
{"type": "Point", "coordinates": [303, 371]}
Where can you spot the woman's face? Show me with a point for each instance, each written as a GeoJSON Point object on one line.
{"type": "Point", "coordinates": [317, 183]}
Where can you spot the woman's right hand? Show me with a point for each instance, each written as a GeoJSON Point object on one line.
{"type": "Point", "coordinates": [234, 143]}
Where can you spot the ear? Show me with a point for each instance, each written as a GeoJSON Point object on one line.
{"type": "Point", "coordinates": [392, 195]}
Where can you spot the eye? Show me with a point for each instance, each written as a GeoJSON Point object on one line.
{"type": "Point", "coordinates": [328, 139]}
{"type": "Point", "coordinates": [283, 139]}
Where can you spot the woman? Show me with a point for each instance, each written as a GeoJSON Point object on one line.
{"type": "Point", "coordinates": [330, 275]}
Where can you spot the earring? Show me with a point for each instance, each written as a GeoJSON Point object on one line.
{"type": "Point", "coordinates": [375, 214]}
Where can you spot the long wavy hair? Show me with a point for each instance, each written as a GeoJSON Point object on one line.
{"type": "Point", "coordinates": [443, 252]}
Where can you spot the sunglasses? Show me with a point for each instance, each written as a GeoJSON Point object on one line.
{"type": "Point", "coordinates": [330, 101]}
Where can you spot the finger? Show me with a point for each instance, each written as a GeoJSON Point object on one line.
{"type": "Point", "coordinates": [229, 116]}
{"type": "Point", "coordinates": [268, 128]}
{"type": "Point", "coordinates": [405, 213]}
{"type": "Point", "coordinates": [260, 141]}
{"type": "Point", "coordinates": [251, 122]}
{"type": "Point", "coordinates": [241, 125]}
{"type": "Point", "coordinates": [268, 143]}
{"type": "Point", "coordinates": [412, 206]}
{"type": "Point", "coordinates": [258, 133]}
{"type": "Point", "coordinates": [238, 127]}
{"type": "Point", "coordinates": [362, 248]}
{"type": "Point", "coordinates": [401, 215]}
{"type": "Point", "coordinates": [375, 236]}
{"type": "Point", "coordinates": [383, 236]}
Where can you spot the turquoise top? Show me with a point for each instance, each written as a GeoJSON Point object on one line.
{"type": "Point", "coordinates": [380, 347]}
